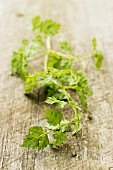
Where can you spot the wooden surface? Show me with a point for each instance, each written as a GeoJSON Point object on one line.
{"type": "Point", "coordinates": [92, 148]}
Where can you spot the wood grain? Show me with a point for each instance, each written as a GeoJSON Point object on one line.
{"type": "Point", "coordinates": [92, 148]}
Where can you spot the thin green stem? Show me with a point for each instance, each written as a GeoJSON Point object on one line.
{"type": "Point", "coordinates": [79, 59]}
{"type": "Point", "coordinates": [86, 57]}
{"type": "Point", "coordinates": [70, 87]}
{"type": "Point", "coordinates": [64, 55]}
{"type": "Point", "coordinates": [48, 43]}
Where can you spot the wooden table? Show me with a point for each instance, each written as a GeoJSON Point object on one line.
{"type": "Point", "coordinates": [92, 148]}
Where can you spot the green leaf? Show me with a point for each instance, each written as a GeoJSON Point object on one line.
{"type": "Point", "coordinates": [38, 78]}
{"type": "Point", "coordinates": [60, 104]}
{"type": "Point", "coordinates": [64, 93]}
{"type": "Point", "coordinates": [73, 78]}
{"type": "Point", "coordinates": [82, 99]}
{"type": "Point", "coordinates": [61, 75]}
{"type": "Point", "coordinates": [30, 86]}
{"type": "Point", "coordinates": [65, 46]}
{"type": "Point", "coordinates": [53, 117]}
{"type": "Point", "coordinates": [30, 142]}
{"type": "Point", "coordinates": [37, 130]}
{"type": "Point", "coordinates": [58, 62]}
{"type": "Point", "coordinates": [58, 73]}
{"type": "Point", "coordinates": [59, 137]}
{"type": "Point", "coordinates": [50, 89]}
{"type": "Point", "coordinates": [19, 65]}
{"type": "Point", "coordinates": [65, 125]}
{"type": "Point", "coordinates": [33, 77]}
{"type": "Point", "coordinates": [51, 127]}
{"type": "Point", "coordinates": [98, 56]}
{"type": "Point", "coordinates": [94, 44]}
{"type": "Point", "coordinates": [78, 82]}
{"type": "Point", "coordinates": [35, 47]}
{"type": "Point", "coordinates": [44, 79]}
{"type": "Point", "coordinates": [49, 27]}
{"type": "Point", "coordinates": [44, 142]}
{"type": "Point", "coordinates": [32, 81]}
{"type": "Point", "coordinates": [98, 59]}
{"type": "Point", "coordinates": [25, 42]}
{"type": "Point", "coordinates": [15, 63]}
{"type": "Point", "coordinates": [36, 23]}
{"type": "Point", "coordinates": [77, 128]}
{"type": "Point", "coordinates": [52, 100]}
{"type": "Point", "coordinates": [74, 105]}
{"type": "Point", "coordinates": [36, 139]}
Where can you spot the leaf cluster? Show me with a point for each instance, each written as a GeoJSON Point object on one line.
{"type": "Point", "coordinates": [19, 65]}
{"type": "Point", "coordinates": [45, 28]}
{"type": "Point", "coordinates": [39, 138]}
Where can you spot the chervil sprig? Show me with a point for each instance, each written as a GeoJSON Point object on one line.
{"type": "Point", "coordinates": [58, 78]}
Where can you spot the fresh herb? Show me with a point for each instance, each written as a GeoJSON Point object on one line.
{"type": "Point", "coordinates": [58, 78]}
{"type": "Point", "coordinates": [65, 46]}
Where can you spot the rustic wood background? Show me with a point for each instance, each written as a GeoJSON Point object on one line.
{"type": "Point", "coordinates": [92, 148]}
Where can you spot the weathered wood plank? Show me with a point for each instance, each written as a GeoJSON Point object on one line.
{"type": "Point", "coordinates": [91, 149]}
